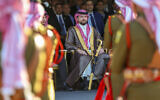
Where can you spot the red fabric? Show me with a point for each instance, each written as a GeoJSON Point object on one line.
{"type": "Point", "coordinates": [128, 36]}
{"type": "Point", "coordinates": [109, 25]}
{"type": "Point", "coordinates": [157, 79]}
{"type": "Point", "coordinates": [128, 39]}
{"type": "Point", "coordinates": [109, 95]}
{"type": "Point", "coordinates": [62, 53]}
{"type": "Point", "coordinates": [110, 28]}
{"type": "Point", "coordinates": [100, 90]}
{"type": "Point", "coordinates": [123, 91]}
{"type": "Point", "coordinates": [56, 54]}
{"type": "Point", "coordinates": [56, 60]}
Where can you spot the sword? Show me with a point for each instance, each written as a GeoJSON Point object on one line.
{"type": "Point", "coordinates": [94, 59]}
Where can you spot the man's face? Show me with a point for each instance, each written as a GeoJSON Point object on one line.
{"type": "Point", "coordinates": [58, 9]}
{"type": "Point", "coordinates": [83, 7]}
{"type": "Point", "coordinates": [89, 6]}
{"type": "Point", "coordinates": [82, 19]}
{"type": "Point", "coordinates": [100, 6]}
{"type": "Point", "coordinates": [66, 9]}
{"type": "Point", "coordinates": [79, 2]}
{"type": "Point", "coordinates": [54, 2]}
{"type": "Point", "coordinates": [44, 20]}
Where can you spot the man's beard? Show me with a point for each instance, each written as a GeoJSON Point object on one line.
{"type": "Point", "coordinates": [83, 23]}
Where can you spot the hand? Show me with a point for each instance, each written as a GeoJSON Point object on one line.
{"type": "Point", "coordinates": [81, 52]}
{"type": "Point", "coordinates": [101, 51]}
{"type": "Point", "coordinates": [110, 52]}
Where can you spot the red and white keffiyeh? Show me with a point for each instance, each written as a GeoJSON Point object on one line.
{"type": "Point", "coordinates": [151, 10]}
{"type": "Point", "coordinates": [12, 19]}
{"type": "Point", "coordinates": [125, 7]}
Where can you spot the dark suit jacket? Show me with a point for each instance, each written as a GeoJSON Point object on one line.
{"type": "Point", "coordinates": [53, 20]}
{"type": "Point", "coordinates": [99, 22]}
{"type": "Point", "coordinates": [105, 17]}
{"type": "Point", "coordinates": [68, 22]}
{"type": "Point", "coordinates": [74, 9]}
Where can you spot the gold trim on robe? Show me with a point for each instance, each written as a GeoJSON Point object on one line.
{"type": "Point", "coordinates": [83, 43]}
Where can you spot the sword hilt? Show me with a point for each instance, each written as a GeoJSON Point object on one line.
{"type": "Point", "coordinates": [99, 47]}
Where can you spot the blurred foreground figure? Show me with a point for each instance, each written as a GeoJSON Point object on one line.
{"type": "Point", "coordinates": [115, 21]}
{"type": "Point", "coordinates": [111, 39]}
{"type": "Point", "coordinates": [14, 73]}
{"type": "Point", "coordinates": [43, 40]}
{"type": "Point", "coordinates": [135, 68]}
{"type": "Point", "coordinates": [27, 51]}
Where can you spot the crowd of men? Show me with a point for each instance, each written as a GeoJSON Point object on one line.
{"type": "Point", "coordinates": [62, 13]}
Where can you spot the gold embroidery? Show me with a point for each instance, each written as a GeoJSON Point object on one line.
{"type": "Point", "coordinates": [92, 41]}
{"type": "Point", "coordinates": [83, 43]}
{"type": "Point", "coordinates": [118, 37]}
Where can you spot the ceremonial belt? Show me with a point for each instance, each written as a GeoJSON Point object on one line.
{"type": "Point", "coordinates": [138, 75]}
{"type": "Point", "coordinates": [141, 75]}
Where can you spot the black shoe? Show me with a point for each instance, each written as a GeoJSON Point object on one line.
{"type": "Point", "coordinates": [66, 87]}
{"type": "Point", "coordinates": [85, 84]}
{"type": "Point", "coordinates": [85, 88]}
{"type": "Point", "coordinates": [95, 84]}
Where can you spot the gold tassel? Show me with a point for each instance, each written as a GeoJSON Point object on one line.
{"type": "Point", "coordinates": [90, 81]}
{"type": "Point", "coordinates": [51, 90]}
{"type": "Point", "coordinates": [39, 73]}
